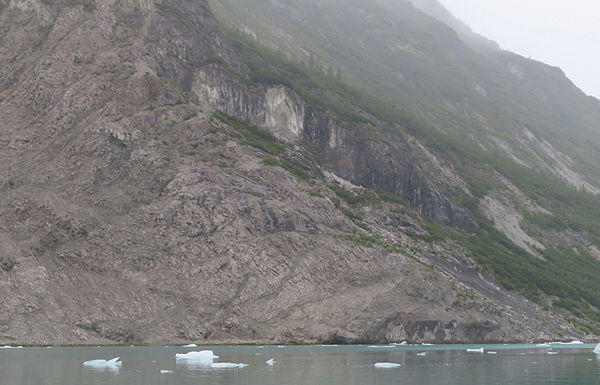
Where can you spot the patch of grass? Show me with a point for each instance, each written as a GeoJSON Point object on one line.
{"type": "Point", "coordinates": [254, 135]}
{"type": "Point", "coordinates": [351, 214]}
{"type": "Point", "coordinates": [387, 196]}
{"type": "Point", "coordinates": [294, 169]}
{"type": "Point", "coordinates": [351, 197]}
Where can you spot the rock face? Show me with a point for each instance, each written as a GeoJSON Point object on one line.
{"type": "Point", "coordinates": [130, 215]}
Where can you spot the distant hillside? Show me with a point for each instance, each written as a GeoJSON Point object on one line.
{"type": "Point", "coordinates": [287, 171]}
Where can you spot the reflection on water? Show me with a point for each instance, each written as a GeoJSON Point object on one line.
{"type": "Point", "coordinates": [296, 365]}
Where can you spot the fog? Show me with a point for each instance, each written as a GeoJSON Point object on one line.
{"type": "Point", "coordinates": [562, 33]}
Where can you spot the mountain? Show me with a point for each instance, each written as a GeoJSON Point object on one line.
{"type": "Point", "coordinates": [287, 172]}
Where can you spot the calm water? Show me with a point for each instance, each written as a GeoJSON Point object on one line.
{"type": "Point", "coordinates": [331, 365]}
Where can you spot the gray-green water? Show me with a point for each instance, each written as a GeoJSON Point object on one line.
{"type": "Point", "coordinates": [331, 365]}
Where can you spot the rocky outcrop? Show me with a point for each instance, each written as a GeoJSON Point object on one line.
{"type": "Point", "coordinates": [364, 155]}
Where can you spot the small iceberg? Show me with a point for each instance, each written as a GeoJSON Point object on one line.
{"type": "Point", "coordinates": [190, 346]}
{"type": "Point", "coordinates": [399, 344]}
{"type": "Point", "coordinates": [387, 365]}
{"type": "Point", "coordinates": [492, 352]}
{"type": "Point", "coordinates": [575, 343]}
{"type": "Point", "coordinates": [201, 355]}
{"type": "Point", "coordinates": [10, 347]}
{"type": "Point", "coordinates": [544, 345]}
{"type": "Point", "coordinates": [597, 349]}
{"type": "Point", "coordinates": [196, 360]}
{"type": "Point", "coordinates": [271, 362]}
{"type": "Point", "coordinates": [552, 352]}
{"type": "Point", "coordinates": [114, 363]}
{"type": "Point", "coordinates": [166, 371]}
{"type": "Point", "coordinates": [479, 350]}
{"type": "Point", "coordinates": [227, 365]}
{"type": "Point", "coordinates": [422, 354]}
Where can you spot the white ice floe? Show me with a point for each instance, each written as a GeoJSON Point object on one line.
{"type": "Point", "coordinates": [387, 365]}
{"type": "Point", "coordinates": [381, 346]}
{"type": "Point", "coordinates": [552, 352]}
{"type": "Point", "coordinates": [227, 365]}
{"type": "Point", "coordinates": [201, 355]}
{"type": "Point", "coordinates": [492, 352]}
{"type": "Point", "coordinates": [544, 345]}
{"type": "Point", "coordinates": [194, 359]}
{"type": "Point", "coordinates": [271, 362]}
{"type": "Point", "coordinates": [575, 343]}
{"type": "Point", "coordinates": [422, 354]}
{"type": "Point", "coordinates": [10, 347]}
{"type": "Point", "coordinates": [426, 344]}
{"type": "Point", "coordinates": [190, 346]}
{"type": "Point", "coordinates": [166, 371]}
{"type": "Point", "coordinates": [597, 349]}
{"type": "Point", "coordinates": [99, 363]}
{"type": "Point", "coordinates": [479, 350]}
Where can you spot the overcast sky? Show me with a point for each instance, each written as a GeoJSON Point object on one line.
{"type": "Point", "coordinates": [562, 33]}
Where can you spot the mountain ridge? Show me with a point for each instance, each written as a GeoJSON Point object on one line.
{"type": "Point", "coordinates": [167, 179]}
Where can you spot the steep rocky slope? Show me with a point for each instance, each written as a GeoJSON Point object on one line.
{"type": "Point", "coordinates": [132, 213]}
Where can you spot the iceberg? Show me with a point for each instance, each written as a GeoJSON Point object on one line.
{"type": "Point", "coordinates": [387, 365]}
{"type": "Point", "coordinates": [227, 365]}
{"type": "Point", "coordinates": [201, 355]}
{"type": "Point", "coordinates": [492, 352]}
{"type": "Point", "coordinates": [271, 362]}
{"type": "Point", "coordinates": [597, 349]}
{"type": "Point", "coordinates": [166, 371]}
{"type": "Point", "coordinates": [575, 343]}
{"type": "Point", "coordinates": [479, 350]}
{"type": "Point", "coordinates": [10, 347]}
{"type": "Point", "coordinates": [190, 346]}
{"type": "Point", "coordinates": [422, 354]}
{"type": "Point", "coordinates": [114, 363]}
{"type": "Point", "coordinates": [199, 360]}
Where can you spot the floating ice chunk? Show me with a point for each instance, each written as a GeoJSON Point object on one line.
{"type": "Point", "coordinates": [194, 359]}
{"type": "Point", "coordinates": [282, 346]}
{"type": "Point", "coordinates": [426, 344]}
{"type": "Point", "coordinates": [597, 349]}
{"type": "Point", "coordinates": [166, 371]}
{"type": "Point", "coordinates": [190, 346]}
{"type": "Point", "coordinates": [10, 347]}
{"type": "Point", "coordinates": [479, 350]}
{"type": "Point", "coordinates": [227, 365]}
{"type": "Point", "coordinates": [271, 362]}
{"type": "Point", "coordinates": [492, 352]}
{"type": "Point", "coordinates": [544, 345]}
{"type": "Point", "coordinates": [381, 346]}
{"type": "Point", "coordinates": [552, 352]}
{"type": "Point", "coordinates": [387, 365]}
{"type": "Point", "coordinates": [103, 363]}
{"type": "Point", "coordinates": [575, 342]}
{"type": "Point", "coordinates": [201, 355]}
{"type": "Point", "coordinates": [422, 354]}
